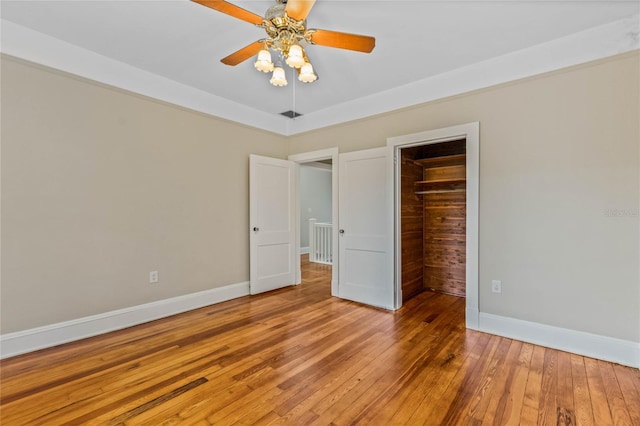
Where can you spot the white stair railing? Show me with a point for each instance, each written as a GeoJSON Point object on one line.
{"type": "Point", "coordinates": [320, 242]}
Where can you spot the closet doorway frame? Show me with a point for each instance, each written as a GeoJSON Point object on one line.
{"type": "Point", "coordinates": [471, 133]}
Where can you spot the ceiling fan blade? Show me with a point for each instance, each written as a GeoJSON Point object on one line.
{"type": "Point", "coordinates": [243, 54]}
{"type": "Point", "coordinates": [299, 9]}
{"type": "Point", "coordinates": [359, 43]}
{"type": "Point", "coordinates": [232, 10]}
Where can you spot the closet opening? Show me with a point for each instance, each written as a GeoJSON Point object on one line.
{"type": "Point", "coordinates": [433, 210]}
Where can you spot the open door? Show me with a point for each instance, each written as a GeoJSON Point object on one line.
{"type": "Point", "coordinates": [366, 227]}
{"type": "Point", "coordinates": [272, 185]}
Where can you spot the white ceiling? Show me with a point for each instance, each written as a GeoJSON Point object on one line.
{"type": "Point", "coordinates": [415, 41]}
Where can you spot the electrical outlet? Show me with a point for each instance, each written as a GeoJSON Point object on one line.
{"type": "Point", "coordinates": [153, 277]}
{"type": "Point", "coordinates": [496, 286]}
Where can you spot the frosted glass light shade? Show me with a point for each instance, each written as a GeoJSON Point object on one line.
{"type": "Point", "coordinates": [306, 73]}
{"type": "Point", "coordinates": [295, 57]}
{"type": "Point", "coordinates": [263, 63]}
{"type": "Point", "coordinates": [278, 77]}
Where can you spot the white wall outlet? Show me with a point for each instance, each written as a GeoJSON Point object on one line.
{"type": "Point", "coordinates": [496, 286]}
{"type": "Point", "coordinates": [153, 277]}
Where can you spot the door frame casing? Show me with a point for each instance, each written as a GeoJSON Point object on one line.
{"type": "Point", "coordinates": [471, 133]}
{"type": "Point", "coordinates": [308, 157]}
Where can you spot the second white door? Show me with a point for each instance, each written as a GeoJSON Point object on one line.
{"type": "Point", "coordinates": [366, 227]}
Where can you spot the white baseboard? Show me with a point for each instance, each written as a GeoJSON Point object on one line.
{"type": "Point", "coordinates": [21, 342]}
{"type": "Point", "coordinates": [304, 250]}
{"type": "Point", "coordinates": [620, 351]}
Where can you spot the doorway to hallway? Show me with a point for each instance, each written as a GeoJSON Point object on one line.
{"type": "Point", "coordinates": [316, 277]}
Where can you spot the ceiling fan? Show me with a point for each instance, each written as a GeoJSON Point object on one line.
{"type": "Point", "coordinates": [286, 26]}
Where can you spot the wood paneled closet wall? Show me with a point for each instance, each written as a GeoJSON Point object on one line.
{"type": "Point", "coordinates": [433, 218]}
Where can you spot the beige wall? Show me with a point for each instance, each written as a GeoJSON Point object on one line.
{"type": "Point", "coordinates": [556, 153]}
{"type": "Point", "coordinates": [99, 187]}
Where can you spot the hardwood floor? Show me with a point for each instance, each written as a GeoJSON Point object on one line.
{"type": "Point", "coordinates": [297, 356]}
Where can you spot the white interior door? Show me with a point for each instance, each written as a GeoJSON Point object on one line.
{"type": "Point", "coordinates": [366, 227]}
{"type": "Point", "coordinates": [272, 184]}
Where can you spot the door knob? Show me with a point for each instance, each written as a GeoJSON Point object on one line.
{"type": "Point", "coordinates": [256, 229]}
{"type": "Point", "coordinates": [341, 231]}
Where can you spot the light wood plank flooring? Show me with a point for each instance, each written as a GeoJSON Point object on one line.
{"type": "Point", "coordinates": [297, 356]}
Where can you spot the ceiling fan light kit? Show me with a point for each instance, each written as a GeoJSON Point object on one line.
{"type": "Point", "coordinates": [294, 56]}
{"type": "Point", "coordinates": [263, 63]}
{"type": "Point", "coordinates": [286, 25]}
{"type": "Point", "coordinates": [306, 73]}
{"type": "Point", "coordinates": [278, 78]}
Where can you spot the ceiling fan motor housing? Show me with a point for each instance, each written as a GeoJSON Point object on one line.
{"type": "Point", "coordinates": [282, 29]}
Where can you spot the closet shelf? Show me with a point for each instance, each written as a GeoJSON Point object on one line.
{"type": "Point", "coordinates": [440, 181]}
{"type": "Point", "coordinates": [439, 191]}
{"type": "Point", "coordinates": [439, 186]}
{"type": "Point", "coordinates": [448, 160]}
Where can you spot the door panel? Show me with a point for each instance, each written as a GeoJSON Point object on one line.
{"type": "Point", "coordinates": [272, 222]}
{"type": "Point", "coordinates": [366, 217]}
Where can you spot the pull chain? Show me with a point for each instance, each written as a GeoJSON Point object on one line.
{"type": "Point", "coordinates": [293, 79]}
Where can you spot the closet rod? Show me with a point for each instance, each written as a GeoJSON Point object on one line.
{"type": "Point", "coordinates": [439, 191]}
